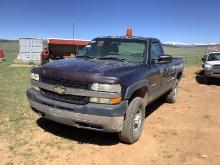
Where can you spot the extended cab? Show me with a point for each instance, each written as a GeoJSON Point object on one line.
{"type": "Point", "coordinates": [107, 86]}
{"type": "Point", "coordinates": [211, 63]}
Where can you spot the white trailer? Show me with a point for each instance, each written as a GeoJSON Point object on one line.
{"type": "Point", "coordinates": [30, 49]}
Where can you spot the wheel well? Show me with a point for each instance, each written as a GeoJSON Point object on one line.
{"type": "Point", "coordinates": [141, 92]}
{"type": "Point", "coordinates": [179, 75]}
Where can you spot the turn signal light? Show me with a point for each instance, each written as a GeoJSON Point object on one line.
{"type": "Point", "coordinates": [105, 100]}
{"type": "Point", "coordinates": [116, 100]}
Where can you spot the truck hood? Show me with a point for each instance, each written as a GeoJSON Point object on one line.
{"type": "Point", "coordinates": [213, 62]}
{"type": "Point", "coordinates": [87, 70]}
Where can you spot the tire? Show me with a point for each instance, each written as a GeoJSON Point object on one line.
{"type": "Point", "coordinates": [207, 80]}
{"type": "Point", "coordinates": [171, 97]}
{"type": "Point", "coordinates": [134, 121]}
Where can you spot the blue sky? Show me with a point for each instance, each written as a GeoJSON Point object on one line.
{"type": "Point", "coordinates": [192, 21]}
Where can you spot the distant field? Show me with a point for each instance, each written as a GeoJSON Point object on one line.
{"type": "Point", "coordinates": [193, 51]}
{"type": "Point", "coordinates": [191, 55]}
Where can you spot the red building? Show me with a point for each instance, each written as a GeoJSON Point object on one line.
{"type": "Point", "coordinates": [59, 48]}
{"type": "Point", "coordinates": [75, 42]}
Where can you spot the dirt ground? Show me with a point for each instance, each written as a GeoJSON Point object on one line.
{"type": "Point", "coordinates": [186, 132]}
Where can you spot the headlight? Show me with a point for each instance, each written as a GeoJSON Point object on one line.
{"type": "Point", "coordinates": [35, 76]}
{"type": "Point", "coordinates": [106, 87]}
{"type": "Point", "coordinates": [105, 100]}
{"type": "Point", "coordinates": [208, 66]}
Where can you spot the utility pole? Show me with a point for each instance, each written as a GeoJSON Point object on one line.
{"type": "Point", "coordinates": [74, 37]}
{"type": "Point", "coordinates": [73, 33]}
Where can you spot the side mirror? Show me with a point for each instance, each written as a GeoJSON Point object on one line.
{"type": "Point", "coordinates": [164, 59]}
{"type": "Point", "coordinates": [204, 58]}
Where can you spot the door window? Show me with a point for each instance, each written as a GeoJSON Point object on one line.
{"type": "Point", "coordinates": [156, 51]}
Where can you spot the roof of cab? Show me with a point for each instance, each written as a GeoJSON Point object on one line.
{"type": "Point", "coordinates": [125, 37]}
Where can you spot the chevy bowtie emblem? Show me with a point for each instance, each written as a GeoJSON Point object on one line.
{"type": "Point", "coordinates": [59, 89]}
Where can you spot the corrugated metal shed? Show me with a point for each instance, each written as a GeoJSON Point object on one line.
{"type": "Point", "coordinates": [30, 49]}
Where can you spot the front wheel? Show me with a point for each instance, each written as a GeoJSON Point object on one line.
{"type": "Point", "coordinates": [134, 121]}
{"type": "Point", "coordinates": [207, 80]}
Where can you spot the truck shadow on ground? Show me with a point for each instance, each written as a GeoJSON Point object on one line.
{"type": "Point", "coordinates": [153, 107]}
{"type": "Point", "coordinates": [83, 136]}
{"type": "Point", "coordinates": [201, 80]}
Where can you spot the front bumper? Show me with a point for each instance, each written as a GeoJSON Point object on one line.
{"type": "Point", "coordinates": [100, 117]}
{"type": "Point", "coordinates": [212, 73]}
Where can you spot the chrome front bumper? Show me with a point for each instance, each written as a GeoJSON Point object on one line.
{"type": "Point", "coordinates": [212, 73]}
{"type": "Point", "coordinates": [108, 118]}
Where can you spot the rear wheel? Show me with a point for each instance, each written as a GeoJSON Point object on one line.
{"type": "Point", "coordinates": [171, 97]}
{"type": "Point", "coordinates": [134, 121]}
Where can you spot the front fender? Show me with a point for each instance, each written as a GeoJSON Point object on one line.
{"type": "Point", "coordinates": [135, 86]}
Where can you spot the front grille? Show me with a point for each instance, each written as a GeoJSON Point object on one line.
{"type": "Point", "coordinates": [81, 100]}
{"type": "Point", "coordinates": [216, 67]}
{"type": "Point", "coordinates": [65, 83]}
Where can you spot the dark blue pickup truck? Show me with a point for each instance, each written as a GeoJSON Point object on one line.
{"type": "Point", "coordinates": [107, 86]}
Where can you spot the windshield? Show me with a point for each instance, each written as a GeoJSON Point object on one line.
{"type": "Point", "coordinates": [214, 57]}
{"type": "Point", "coordinates": [130, 50]}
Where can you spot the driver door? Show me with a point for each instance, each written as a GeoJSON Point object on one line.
{"type": "Point", "coordinates": [157, 71]}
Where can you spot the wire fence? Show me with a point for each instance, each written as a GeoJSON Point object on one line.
{"type": "Point", "coordinates": [192, 60]}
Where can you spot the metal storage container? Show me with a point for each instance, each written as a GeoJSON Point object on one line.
{"type": "Point", "coordinates": [30, 49]}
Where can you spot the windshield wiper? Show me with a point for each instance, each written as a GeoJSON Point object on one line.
{"type": "Point", "coordinates": [112, 58]}
{"type": "Point", "coordinates": [85, 56]}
